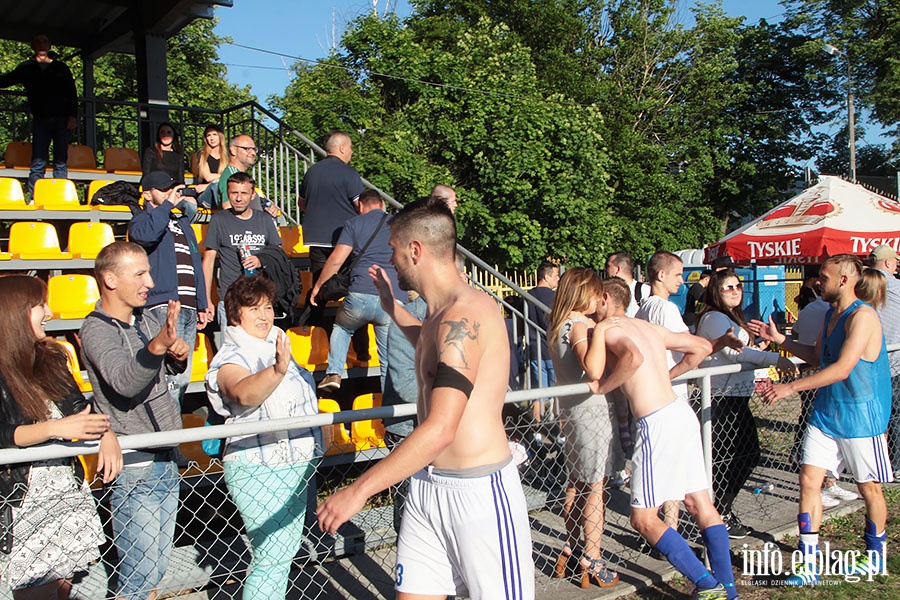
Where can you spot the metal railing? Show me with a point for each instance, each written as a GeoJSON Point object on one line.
{"type": "Point", "coordinates": [211, 549]}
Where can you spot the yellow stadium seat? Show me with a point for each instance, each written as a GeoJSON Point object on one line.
{"type": "Point", "coordinates": [74, 367]}
{"type": "Point", "coordinates": [200, 233]}
{"type": "Point", "coordinates": [96, 185]}
{"type": "Point", "coordinates": [369, 433]}
{"type": "Point", "coordinates": [18, 155]}
{"type": "Point", "coordinates": [193, 451]}
{"type": "Point", "coordinates": [122, 160]}
{"type": "Point", "coordinates": [353, 361]}
{"type": "Point", "coordinates": [200, 360]}
{"type": "Point", "coordinates": [292, 241]}
{"type": "Point", "coordinates": [57, 194]}
{"type": "Point", "coordinates": [309, 347]}
{"type": "Point", "coordinates": [334, 437]}
{"type": "Point", "coordinates": [86, 239]}
{"type": "Point", "coordinates": [72, 296]}
{"type": "Point", "coordinates": [35, 241]}
{"type": "Point", "coordinates": [12, 197]}
{"type": "Point", "coordinates": [82, 158]}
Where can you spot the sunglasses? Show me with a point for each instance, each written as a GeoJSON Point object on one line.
{"type": "Point", "coordinates": [731, 287]}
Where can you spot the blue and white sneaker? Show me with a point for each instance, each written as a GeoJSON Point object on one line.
{"type": "Point", "coordinates": [868, 564]}
{"type": "Point", "coordinates": [804, 574]}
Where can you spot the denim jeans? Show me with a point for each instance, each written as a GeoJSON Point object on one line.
{"type": "Point", "coordinates": [43, 131]}
{"type": "Point", "coordinates": [357, 310]}
{"type": "Point", "coordinates": [273, 504]}
{"type": "Point", "coordinates": [144, 502]}
{"type": "Point", "coordinates": [542, 373]}
{"type": "Point", "coordinates": [187, 330]}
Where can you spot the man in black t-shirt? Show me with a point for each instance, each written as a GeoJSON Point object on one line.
{"type": "Point", "coordinates": [695, 296]}
{"type": "Point", "coordinates": [542, 373]}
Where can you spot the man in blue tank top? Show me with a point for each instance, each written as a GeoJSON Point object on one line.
{"type": "Point", "coordinates": [849, 417]}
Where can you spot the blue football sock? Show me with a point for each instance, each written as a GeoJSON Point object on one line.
{"type": "Point", "coordinates": [679, 553]}
{"type": "Point", "coordinates": [715, 539]}
{"type": "Point", "coordinates": [874, 541]}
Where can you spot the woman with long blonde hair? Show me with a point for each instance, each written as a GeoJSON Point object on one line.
{"type": "Point", "coordinates": [213, 157]}
{"type": "Point", "coordinates": [592, 447]}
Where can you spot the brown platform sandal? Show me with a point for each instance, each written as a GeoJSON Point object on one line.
{"type": "Point", "coordinates": [599, 573]}
{"type": "Point", "coordinates": [562, 561]}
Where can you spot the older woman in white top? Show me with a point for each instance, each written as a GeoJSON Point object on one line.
{"type": "Point", "coordinates": [735, 440]}
{"type": "Point", "coordinates": [254, 378]}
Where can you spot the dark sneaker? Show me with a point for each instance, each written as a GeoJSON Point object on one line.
{"type": "Point", "coordinates": [330, 383]}
{"type": "Point", "coordinates": [736, 529]}
{"type": "Point", "coordinates": [717, 593]}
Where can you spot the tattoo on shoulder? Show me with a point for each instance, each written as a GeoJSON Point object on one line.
{"type": "Point", "coordinates": [459, 332]}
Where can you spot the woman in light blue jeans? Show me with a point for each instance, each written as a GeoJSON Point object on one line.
{"type": "Point", "coordinates": [254, 378]}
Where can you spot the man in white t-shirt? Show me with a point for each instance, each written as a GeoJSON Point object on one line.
{"type": "Point", "coordinates": [621, 264]}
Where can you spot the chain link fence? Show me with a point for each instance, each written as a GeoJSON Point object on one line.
{"type": "Point", "coordinates": [749, 444]}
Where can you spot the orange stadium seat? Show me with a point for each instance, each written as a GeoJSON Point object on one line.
{"type": "Point", "coordinates": [57, 194]}
{"type": "Point", "coordinates": [122, 160]}
{"type": "Point", "coordinates": [309, 347]}
{"type": "Point", "coordinates": [18, 155]}
{"type": "Point", "coordinates": [369, 433]}
{"type": "Point", "coordinates": [72, 296]}
{"type": "Point", "coordinates": [86, 239]}
{"type": "Point", "coordinates": [12, 197]}
{"type": "Point", "coordinates": [35, 241]}
{"type": "Point", "coordinates": [353, 361]}
{"type": "Point", "coordinates": [82, 158]}
{"type": "Point", "coordinates": [334, 437]}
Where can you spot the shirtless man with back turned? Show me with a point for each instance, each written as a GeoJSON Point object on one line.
{"type": "Point", "coordinates": [668, 457]}
{"type": "Point", "coordinates": [465, 527]}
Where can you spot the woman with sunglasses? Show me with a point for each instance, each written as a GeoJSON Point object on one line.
{"type": "Point", "coordinates": [735, 439]}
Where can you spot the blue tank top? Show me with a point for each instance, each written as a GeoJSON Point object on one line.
{"type": "Point", "coordinates": [860, 405]}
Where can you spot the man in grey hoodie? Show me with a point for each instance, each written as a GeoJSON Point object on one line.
{"type": "Point", "coordinates": [127, 352]}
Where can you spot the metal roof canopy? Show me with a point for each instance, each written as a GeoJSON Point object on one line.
{"type": "Point", "coordinates": [97, 27]}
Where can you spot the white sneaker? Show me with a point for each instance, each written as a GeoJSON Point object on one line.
{"type": "Point", "coordinates": [829, 501]}
{"type": "Point", "coordinates": [839, 493]}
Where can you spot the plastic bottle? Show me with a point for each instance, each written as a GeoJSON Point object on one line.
{"type": "Point", "coordinates": [245, 253]}
{"type": "Point", "coordinates": [765, 488]}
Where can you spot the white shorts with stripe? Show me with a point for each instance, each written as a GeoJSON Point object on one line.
{"type": "Point", "coordinates": [466, 536]}
{"type": "Point", "coordinates": [668, 456]}
{"type": "Point", "coordinates": [864, 458]}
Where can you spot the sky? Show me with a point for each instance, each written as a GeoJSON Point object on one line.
{"type": "Point", "coordinates": [308, 29]}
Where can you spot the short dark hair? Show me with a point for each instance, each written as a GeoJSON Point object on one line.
{"type": "Point", "coordinates": [240, 177]}
{"type": "Point", "coordinates": [545, 268]}
{"type": "Point", "coordinates": [618, 290]}
{"type": "Point", "coordinates": [369, 197]}
{"type": "Point", "coordinates": [429, 221]}
{"type": "Point", "coordinates": [109, 257]}
{"type": "Point", "coordinates": [660, 261]}
{"type": "Point", "coordinates": [247, 291]}
{"type": "Point", "coordinates": [622, 260]}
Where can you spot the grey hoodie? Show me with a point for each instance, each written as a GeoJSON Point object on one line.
{"type": "Point", "coordinates": [129, 381]}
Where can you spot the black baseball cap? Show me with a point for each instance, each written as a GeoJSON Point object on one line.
{"type": "Point", "coordinates": [723, 262]}
{"type": "Point", "coordinates": [157, 180]}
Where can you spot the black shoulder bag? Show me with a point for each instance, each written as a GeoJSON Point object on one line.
{"type": "Point", "coordinates": [337, 286]}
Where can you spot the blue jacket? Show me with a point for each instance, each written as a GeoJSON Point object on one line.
{"type": "Point", "coordinates": [150, 229]}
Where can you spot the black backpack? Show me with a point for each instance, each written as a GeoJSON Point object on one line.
{"type": "Point", "coordinates": [118, 193]}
